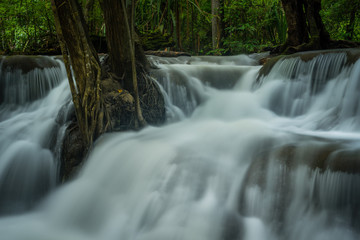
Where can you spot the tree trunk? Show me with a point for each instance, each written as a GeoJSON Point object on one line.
{"type": "Point", "coordinates": [139, 120]}
{"type": "Point", "coordinates": [222, 23]}
{"type": "Point", "coordinates": [296, 22]}
{"type": "Point", "coordinates": [193, 19]}
{"type": "Point", "coordinates": [319, 37]}
{"type": "Point", "coordinates": [78, 51]}
{"type": "Point", "coordinates": [124, 47]}
{"type": "Point", "coordinates": [306, 30]}
{"type": "Point", "coordinates": [88, 9]}
{"type": "Point", "coordinates": [178, 26]}
{"type": "Point", "coordinates": [115, 23]}
{"type": "Point", "coordinates": [117, 38]}
{"type": "Point", "coordinates": [216, 23]}
{"type": "Point", "coordinates": [188, 15]}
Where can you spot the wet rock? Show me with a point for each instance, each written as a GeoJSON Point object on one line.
{"type": "Point", "coordinates": [28, 63]}
{"type": "Point", "coordinates": [353, 54]}
{"type": "Point", "coordinates": [233, 227]}
{"type": "Point", "coordinates": [320, 155]}
{"type": "Point", "coordinates": [73, 151]}
{"type": "Point", "coordinates": [151, 101]}
{"type": "Point", "coordinates": [167, 53]}
{"type": "Point", "coordinates": [120, 105]}
{"type": "Point", "coordinates": [27, 78]}
{"type": "Point", "coordinates": [314, 173]}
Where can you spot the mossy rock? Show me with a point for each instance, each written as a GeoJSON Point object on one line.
{"type": "Point", "coordinates": [28, 63]}
{"type": "Point", "coordinates": [353, 54]}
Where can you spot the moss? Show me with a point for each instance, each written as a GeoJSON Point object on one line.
{"type": "Point", "coordinates": [353, 54]}
{"type": "Point", "coordinates": [28, 63]}
{"type": "Point", "coordinates": [269, 64]}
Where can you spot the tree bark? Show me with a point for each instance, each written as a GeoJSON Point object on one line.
{"type": "Point", "coordinates": [319, 37]}
{"type": "Point", "coordinates": [178, 26]}
{"type": "Point", "coordinates": [124, 47]}
{"type": "Point", "coordinates": [306, 30]}
{"type": "Point", "coordinates": [79, 52]}
{"type": "Point", "coordinates": [296, 21]}
{"type": "Point", "coordinates": [88, 9]}
{"type": "Point", "coordinates": [139, 121]}
{"type": "Point", "coordinates": [216, 23]}
{"type": "Point", "coordinates": [117, 38]}
{"type": "Point", "coordinates": [222, 23]}
{"type": "Point", "coordinates": [114, 23]}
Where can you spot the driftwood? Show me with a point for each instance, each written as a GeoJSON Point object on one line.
{"type": "Point", "coordinates": [167, 53]}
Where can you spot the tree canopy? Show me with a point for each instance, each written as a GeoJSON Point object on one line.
{"type": "Point", "coordinates": [182, 25]}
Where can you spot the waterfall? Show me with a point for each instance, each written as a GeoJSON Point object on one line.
{"type": "Point", "coordinates": [322, 91]}
{"type": "Point", "coordinates": [33, 90]}
{"type": "Point", "coordinates": [242, 156]}
{"type": "Point", "coordinates": [25, 79]}
{"type": "Point", "coordinates": [187, 81]}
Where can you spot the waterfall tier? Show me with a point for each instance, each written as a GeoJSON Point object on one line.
{"type": "Point", "coordinates": [28, 78]}
{"type": "Point", "coordinates": [242, 156]}
{"type": "Point", "coordinates": [33, 91]}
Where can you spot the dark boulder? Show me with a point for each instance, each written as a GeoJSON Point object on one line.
{"type": "Point", "coordinates": [73, 151]}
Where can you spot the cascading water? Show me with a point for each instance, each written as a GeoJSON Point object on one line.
{"type": "Point", "coordinates": [275, 157]}
{"type": "Point", "coordinates": [188, 81]}
{"type": "Point", "coordinates": [33, 90]}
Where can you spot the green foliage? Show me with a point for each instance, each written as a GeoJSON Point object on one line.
{"type": "Point", "coordinates": [156, 40]}
{"type": "Point", "coordinates": [93, 16]}
{"type": "Point", "coordinates": [249, 25]}
{"type": "Point", "coordinates": [26, 25]}
{"type": "Point", "coordinates": [336, 17]}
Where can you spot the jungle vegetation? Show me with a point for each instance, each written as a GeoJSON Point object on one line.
{"type": "Point", "coordinates": [194, 26]}
{"type": "Point", "coordinates": [80, 29]}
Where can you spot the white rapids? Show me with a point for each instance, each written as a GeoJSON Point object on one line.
{"type": "Point", "coordinates": [241, 157]}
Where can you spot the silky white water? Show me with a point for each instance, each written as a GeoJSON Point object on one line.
{"type": "Point", "coordinates": [239, 159]}
{"type": "Point", "coordinates": [30, 133]}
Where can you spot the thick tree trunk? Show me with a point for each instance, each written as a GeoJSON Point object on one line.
{"type": "Point", "coordinates": [306, 30]}
{"type": "Point", "coordinates": [319, 37]}
{"type": "Point", "coordinates": [193, 19]}
{"type": "Point", "coordinates": [78, 51]}
{"type": "Point", "coordinates": [222, 23]}
{"type": "Point", "coordinates": [178, 26]}
{"type": "Point", "coordinates": [217, 23]}
{"type": "Point", "coordinates": [124, 47]}
{"type": "Point", "coordinates": [139, 121]}
{"type": "Point", "coordinates": [117, 38]}
{"type": "Point", "coordinates": [88, 9]}
{"type": "Point", "coordinates": [115, 24]}
{"type": "Point", "coordinates": [296, 21]}
{"type": "Point", "coordinates": [108, 108]}
{"type": "Point", "coordinates": [215, 5]}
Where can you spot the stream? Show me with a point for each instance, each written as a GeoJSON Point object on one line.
{"type": "Point", "coordinates": [241, 156]}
